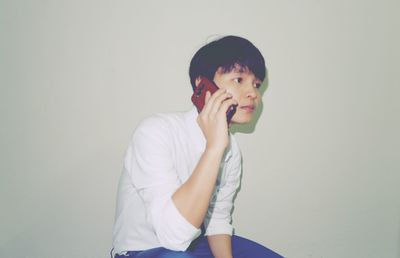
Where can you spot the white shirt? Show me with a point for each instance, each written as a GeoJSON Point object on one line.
{"type": "Point", "coordinates": [162, 155]}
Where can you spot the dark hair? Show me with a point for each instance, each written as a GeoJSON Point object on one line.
{"type": "Point", "coordinates": [226, 53]}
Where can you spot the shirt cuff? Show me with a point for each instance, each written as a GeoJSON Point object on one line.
{"type": "Point", "coordinates": [174, 231]}
{"type": "Point", "coordinates": [219, 229]}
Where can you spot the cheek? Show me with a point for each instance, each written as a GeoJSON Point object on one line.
{"type": "Point", "coordinates": [234, 91]}
{"type": "Point", "coordinates": [258, 99]}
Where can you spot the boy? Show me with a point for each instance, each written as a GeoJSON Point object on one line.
{"type": "Point", "coordinates": [182, 170]}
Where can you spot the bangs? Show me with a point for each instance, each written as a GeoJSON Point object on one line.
{"type": "Point", "coordinates": [242, 68]}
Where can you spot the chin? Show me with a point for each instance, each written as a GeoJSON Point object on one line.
{"type": "Point", "coordinates": [242, 119]}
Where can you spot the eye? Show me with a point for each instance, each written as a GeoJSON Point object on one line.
{"type": "Point", "coordinates": [258, 85]}
{"type": "Point", "coordinates": [238, 80]}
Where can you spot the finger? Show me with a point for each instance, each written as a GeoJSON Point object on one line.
{"type": "Point", "coordinates": [225, 106]}
{"type": "Point", "coordinates": [211, 99]}
{"type": "Point", "coordinates": [208, 95]}
{"type": "Point", "coordinates": [216, 105]}
{"type": "Point", "coordinates": [216, 94]}
{"type": "Point", "coordinates": [207, 103]}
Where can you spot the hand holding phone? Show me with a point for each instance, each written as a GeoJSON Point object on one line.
{"type": "Point", "coordinates": [199, 96]}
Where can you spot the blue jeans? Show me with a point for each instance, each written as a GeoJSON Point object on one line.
{"type": "Point", "coordinates": [241, 248]}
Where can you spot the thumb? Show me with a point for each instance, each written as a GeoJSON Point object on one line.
{"type": "Point", "coordinates": [208, 96]}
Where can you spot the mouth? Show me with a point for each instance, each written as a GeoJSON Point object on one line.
{"type": "Point", "coordinates": [248, 108]}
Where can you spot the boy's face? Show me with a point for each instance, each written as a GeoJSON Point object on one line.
{"type": "Point", "coordinates": [244, 87]}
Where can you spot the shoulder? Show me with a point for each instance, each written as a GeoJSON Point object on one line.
{"type": "Point", "coordinates": [160, 125]}
{"type": "Point", "coordinates": [161, 120]}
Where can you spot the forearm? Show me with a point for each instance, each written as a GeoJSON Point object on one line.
{"type": "Point", "coordinates": [221, 246]}
{"type": "Point", "coordinates": [193, 197]}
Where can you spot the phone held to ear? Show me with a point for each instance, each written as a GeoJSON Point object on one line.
{"type": "Point", "coordinates": [199, 97]}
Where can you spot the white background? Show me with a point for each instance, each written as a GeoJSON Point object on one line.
{"type": "Point", "coordinates": [321, 171]}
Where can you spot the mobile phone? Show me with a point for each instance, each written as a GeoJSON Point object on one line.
{"type": "Point", "coordinates": [199, 97]}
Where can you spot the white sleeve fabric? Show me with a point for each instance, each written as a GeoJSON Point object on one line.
{"type": "Point", "coordinates": [151, 167]}
{"type": "Point", "coordinates": [219, 215]}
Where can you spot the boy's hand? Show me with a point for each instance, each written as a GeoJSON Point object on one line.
{"type": "Point", "coordinates": [212, 119]}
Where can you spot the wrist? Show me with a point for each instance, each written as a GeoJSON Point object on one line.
{"type": "Point", "coordinates": [214, 151]}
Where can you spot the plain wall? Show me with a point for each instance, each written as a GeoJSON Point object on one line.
{"type": "Point", "coordinates": [321, 170]}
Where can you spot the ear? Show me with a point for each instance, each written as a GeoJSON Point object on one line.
{"type": "Point", "coordinates": [197, 81]}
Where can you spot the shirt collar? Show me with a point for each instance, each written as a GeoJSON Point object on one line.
{"type": "Point", "coordinates": [197, 136]}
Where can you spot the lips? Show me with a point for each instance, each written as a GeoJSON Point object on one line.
{"type": "Point", "coordinates": [248, 108]}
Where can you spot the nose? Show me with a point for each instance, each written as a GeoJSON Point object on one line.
{"type": "Point", "coordinates": [251, 92]}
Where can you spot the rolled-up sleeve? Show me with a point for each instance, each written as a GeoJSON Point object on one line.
{"type": "Point", "coordinates": [151, 167]}
{"type": "Point", "coordinates": [219, 216]}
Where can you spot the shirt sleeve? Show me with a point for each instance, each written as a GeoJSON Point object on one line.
{"type": "Point", "coordinates": [150, 164]}
{"type": "Point", "coordinates": [219, 215]}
